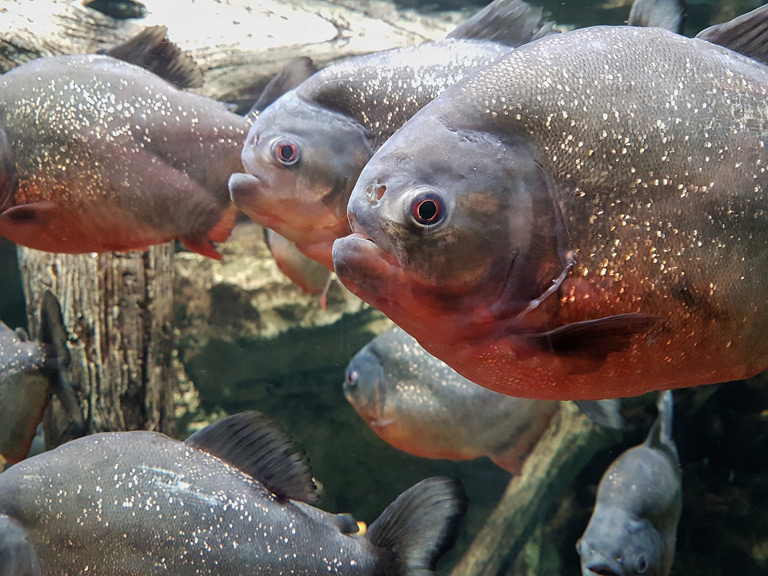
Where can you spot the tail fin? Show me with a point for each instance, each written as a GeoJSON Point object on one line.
{"type": "Point", "coordinates": [17, 555]}
{"type": "Point", "coordinates": [422, 524]}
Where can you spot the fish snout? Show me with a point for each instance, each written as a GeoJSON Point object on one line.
{"type": "Point", "coordinates": [595, 563]}
{"type": "Point", "coordinates": [245, 192]}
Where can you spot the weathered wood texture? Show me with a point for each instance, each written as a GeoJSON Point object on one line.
{"type": "Point", "coordinates": [118, 310]}
{"type": "Point", "coordinates": [567, 446]}
{"type": "Point", "coordinates": [239, 44]}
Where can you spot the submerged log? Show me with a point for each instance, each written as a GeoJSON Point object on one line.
{"type": "Point", "coordinates": [567, 446]}
{"type": "Point", "coordinates": [118, 311]}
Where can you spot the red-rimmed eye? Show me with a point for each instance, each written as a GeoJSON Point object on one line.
{"type": "Point", "coordinates": [427, 209]}
{"type": "Point", "coordinates": [286, 152]}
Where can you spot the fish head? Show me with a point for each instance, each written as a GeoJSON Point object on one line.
{"type": "Point", "coordinates": [364, 385]}
{"type": "Point", "coordinates": [625, 547]}
{"type": "Point", "coordinates": [301, 161]}
{"type": "Point", "coordinates": [455, 231]}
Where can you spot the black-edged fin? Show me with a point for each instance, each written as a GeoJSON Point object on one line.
{"type": "Point", "coordinates": [52, 330]}
{"type": "Point", "coordinates": [8, 178]}
{"type": "Point", "coordinates": [152, 50]}
{"type": "Point", "coordinates": [252, 443]}
{"type": "Point", "coordinates": [667, 14]}
{"type": "Point", "coordinates": [604, 413]}
{"type": "Point", "coordinates": [746, 34]}
{"type": "Point", "coordinates": [17, 555]}
{"type": "Point", "coordinates": [510, 22]}
{"type": "Point", "coordinates": [586, 345]}
{"type": "Point", "coordinates": [292, 74]}
{"type": "Point", "coordinates": [422, 524]}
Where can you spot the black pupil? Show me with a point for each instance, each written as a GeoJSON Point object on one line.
{"type": "Point", "coordinates": [427, 210]}
{"type": "Point", "coordinates": [287, 152]}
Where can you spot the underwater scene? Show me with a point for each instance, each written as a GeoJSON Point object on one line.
{"type": "Point", "coordinates": [383, 287]}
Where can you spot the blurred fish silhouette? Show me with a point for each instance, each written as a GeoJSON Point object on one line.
{"type": "Point", "coordinates": [29, 375]}
{"type": "Point", "coordinates": [419, 405]}
{"type": "Point", "coordinates": [232, 499]}
{"type": "Point", "coordinates": [634, 525]}
{"type": "Point", "coordinates": [97, 154]}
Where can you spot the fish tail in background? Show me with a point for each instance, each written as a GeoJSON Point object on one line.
{"type": "Point", "coordinates": [54, 336]}
{"type": "Point", "coordinates": [219, 233]}
{"type": "Point", "coordinates": [667, 14]}
{"type": "Point", "coordinates": [604, 413]}
{"type": "Point", "coordinates": [746, 34]}
{"type": "Point", "coordinates": [152, 50]}
{"type": "Point", "coordinates": [8, 180]}
{"type": "Point", "coordinates": [17, 555]}
{"type": "Point", "coordinates": [510, 22]}
{"type": "Point", "coordinates": [422, 524]}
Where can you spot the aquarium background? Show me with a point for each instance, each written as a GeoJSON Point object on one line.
{"type": "Point", "coordinates": [247, 339]}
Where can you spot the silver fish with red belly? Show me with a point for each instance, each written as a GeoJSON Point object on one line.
{"type": "Point", "coordinates": [305, 151]}
{"type": "Point", "coordinates": [99, 155]}
{"type": "Point", "coordinates": [585, 218]}
{"type": "Point", "coordinates": [231, 500]}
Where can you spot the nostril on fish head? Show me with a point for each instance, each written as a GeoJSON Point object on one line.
{"type": "Point", "coordinates": [375, 192]}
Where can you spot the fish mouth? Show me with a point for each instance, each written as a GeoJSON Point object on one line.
{"type": "Point", "coordinates": [245, 191]}
{"type": "Point", "coordinates": [602, 566]}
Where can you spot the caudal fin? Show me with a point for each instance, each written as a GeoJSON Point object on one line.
{"type": "Point", "coordinates": [422, 524]}
{"type": "Point", "coordinates": [17, 555]}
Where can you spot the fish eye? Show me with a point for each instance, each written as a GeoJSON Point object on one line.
{"type": "Point", "coordinates": [285, 151]}
{"type": "Point", "coordinates": [641, 564]}
{"type": "Point", "coordinates": [352, 377]}
{"type": "Point", "coordinates": [427, 209]}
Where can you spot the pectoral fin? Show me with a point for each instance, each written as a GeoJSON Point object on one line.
{"type": "Point", "coordinates": [37, 214]}
{"type": "Point", "coordinates": [585, 345]}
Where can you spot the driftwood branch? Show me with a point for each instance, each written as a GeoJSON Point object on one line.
{"type": "Point", "coordinates": [567, 446]}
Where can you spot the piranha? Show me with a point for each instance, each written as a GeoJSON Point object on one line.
{"type": "Point", "coordinates": [307, 274]}
{"type": "Point", "coordinates": [29, 375]}
{"type": "Point", "coordinates": [232, 499]}
{"type": "Point", "coordinates": [305, 151]}
{"type": "Point", "coordinates": [585, 218]}
{"type": "Point", "coordinates": [419, 405]}
{"type": "Point", "coordinates": [98, 155]}
{"type": "Point", "coordinates": [634, 525]}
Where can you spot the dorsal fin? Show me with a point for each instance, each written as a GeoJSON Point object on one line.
{"type": "Point", "coordinates": [152, 50]}
{"type": "Point", "coordinates": [667, 14]}
{"type": "Point", "coordinates": [252, 443]}
{"type": "Point", "coordinates": [292, 74]}
{"type": "Point", "coordinates": [509, 22]}
{"type": "Point", "coordinates": [746, 34]}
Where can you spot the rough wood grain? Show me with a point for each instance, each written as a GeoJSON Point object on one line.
{"type": "Point", "coordinates": [118, 310]}
{"type": "Point", "coordinates": [567, 446]}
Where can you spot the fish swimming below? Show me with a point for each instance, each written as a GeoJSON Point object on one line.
{"type": "Point", "coordinates": [232, 499]}
{"type": "Point", "coordinates": [29, 375]}
{"type": "Point", "coordinates": [99, 155]}
{"type": "Point", "coordinates": [305, 151]}
{"type": "Point", "coordinates": [594, 225]}
{"type": "Point", "coordinates": [419, 405]}
{"type": "Point", "coordinates": [633, 528]}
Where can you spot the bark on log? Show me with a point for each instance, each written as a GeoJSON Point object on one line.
{"type": "Point", "coordinates": [118, 310]}
{"type": "Point", "coordinates": [569, 443]}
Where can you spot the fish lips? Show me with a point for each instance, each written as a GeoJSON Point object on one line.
{"type": "Point", "coordinates": [600, 565]}
{"type": "Point", "coordinates": [246, 192]}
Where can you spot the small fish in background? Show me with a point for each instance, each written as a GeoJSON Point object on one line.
{"type": "Point", "coordinates": [98, 155]}
{"type": "Point", "coordinates": [538, 226]}
{"type": "Point", "coordinates": [419, 405]}
{"type": "Point", "coordinates": [306, 149]}
{"type": "Point", "coordinates": [633, 528]}
{"type": "Point", "coordinates": [233, 498]}
{"type": "Point", "coordinates": [667, 14]}
{"type": "Point", "coordinates": [307, 274]}
{"type": "Point", "coordinates": [29, 375]}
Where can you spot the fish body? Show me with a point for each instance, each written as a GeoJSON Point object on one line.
{"type": "Point", "coordinates": [139, 502]}
{"type": "Point", "coordinates": [583, 219]}
{"type": "Point", "coordinates": [101, 155]}
{"type": "Point", "coordinates": [419, 405]}
{"type": "Point", "coordinates": [303, 155]}
{"type": "Point", "coordinates": [633, 528]}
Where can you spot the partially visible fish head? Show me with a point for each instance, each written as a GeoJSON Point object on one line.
{"type": "Point", "coordinates": [455, 231]}
{"type": "Point", "coordinates": [633, 548]}
{"type": "Point", "coordinates": [302, 161]}
{"type": "Point", "coordinates": [364, 385]}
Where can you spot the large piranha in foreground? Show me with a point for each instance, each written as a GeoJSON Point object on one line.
{"type": "Point", "coordinates": [585, 218]}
